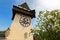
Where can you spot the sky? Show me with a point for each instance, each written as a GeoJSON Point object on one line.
{"type": "Point", "coordinates": [7, 5]}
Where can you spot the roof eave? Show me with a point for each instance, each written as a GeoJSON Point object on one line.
{"type": "Point", "coordinates": [16, 9]}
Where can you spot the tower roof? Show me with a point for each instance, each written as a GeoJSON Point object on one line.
{"type": "Point", "coordinates": [23, 9]}
{"type": "Point", "coordinates": [24, 5]}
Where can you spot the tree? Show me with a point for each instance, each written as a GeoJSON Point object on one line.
{"type": "Point", "coordinates": [48, 25]}
{"type": "Point", "coordinates": [2, 33]}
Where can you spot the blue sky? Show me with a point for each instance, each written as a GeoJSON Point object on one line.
{"type": "Point", "coordinates": [6, 9]}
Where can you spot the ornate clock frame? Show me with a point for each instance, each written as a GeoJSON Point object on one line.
{"type": "Point", "coordinates": [25, 21]}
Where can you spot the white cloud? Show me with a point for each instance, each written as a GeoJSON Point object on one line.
{"type": "Point", "coordinates": [44, 5]}
{"type": "Point", "coordinates": [51, 4]}
{"type": "Point", "coordinates": [48, 4]}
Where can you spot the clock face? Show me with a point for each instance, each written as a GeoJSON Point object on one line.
{"type": "Point", "coordinates": [25, 21]}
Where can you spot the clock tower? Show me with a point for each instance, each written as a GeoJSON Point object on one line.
{"type": "Point", "coordinates": [21, 25]}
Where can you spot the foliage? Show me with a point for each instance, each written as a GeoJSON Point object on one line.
{"type": "Point", "coordinates": [2, 33]}
{"type": "Point", "coordinates": [48, 23]}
